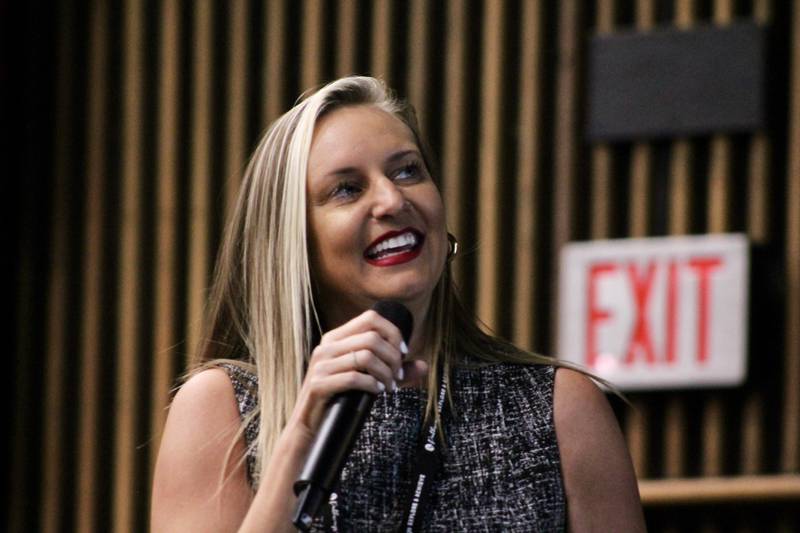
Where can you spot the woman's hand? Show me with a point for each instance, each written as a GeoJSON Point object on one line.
{"type": "Point", "coordinates": [367, 353]}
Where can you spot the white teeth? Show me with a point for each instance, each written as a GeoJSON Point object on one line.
{"type": "Point", "coordinates": [408, 239]}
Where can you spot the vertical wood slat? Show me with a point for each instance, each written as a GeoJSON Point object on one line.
{"type": "Point", "coordinates": [752, 432]}
{"type": "Point", "coordinates": [602, 156]}
{"type": "Point", "coordinates": [489, 172]}
{"type": "Point", "coordinates": [718, 221]}
{"type": "Point", "coordinates": [346, 38]}
{"type": "Point", "coordinates": [680, 213]}
{"type": "Point", "coordinates": [86, 488]}
{"type": "Point", "coordinates": [529, 223]}
{"type": "Point", "coordinates": [52, 450]}
{"type": "Point", "coordinates": [130, 289]}
{"type": "Point", "coordinates": [641, 166]}
{"type": "Point", "coordinates": [645, 14]}
{"type": "Point", "coordinates": [719, 186]}
{"type": "Point", "coordinates": [453, 131]}
{"type": "Point", "coordinates": [165, 335]}
{"type": "Point", "coordinates": [679, 224]}
{"type": "Point", "coordinates": [311, 55]}
{"type": "Point", "coordinates": [566, 141]}
{"type": "Point", "coordinates": [200, 175]}
{"type": "Point", "coordinates": [236, 126]}
{"type": "Point", "coordinates": [418, 65]}
{"type": "Point", "coordinates": [52, 435]}
{"type": "Point", "coordinates": [758, 229]}
{"type": "Point", "coordinates": [23, 511]}
{"type": "Point", "coordinates": [790, 445]}
{"type": "Point", "coordinates": [380, 65]}
{"type": "Point", "coordinates": [275, 60]}
{"type": "Point", "coordinates": [758, 187]}
{"type": "Point", "coordinates": [759, 183]}
{"type": "Point", "coordinates": [762, 11]}
{"type": "Point", "coordinates": [641, 155]}
{"type": "Point", "coordinates": [719, 216]}
{"type": "Point", "coordinates": [24, 456]}
{"type": "Point", "coordinates": [684, 13]}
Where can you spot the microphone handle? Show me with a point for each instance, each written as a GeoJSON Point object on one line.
{"type": "Point", "coordinates": [337, 434]}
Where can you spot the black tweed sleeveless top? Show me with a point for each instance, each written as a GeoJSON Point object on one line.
{"type": "Point", "coordinates": [500, 468]}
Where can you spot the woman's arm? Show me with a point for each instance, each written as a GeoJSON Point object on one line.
{"type": "Point", "coordinates": [188, 489]}
{"type": "Point", "coordinates": [201, 426]}
{"type": "Point", "coordinates": [600, 484]}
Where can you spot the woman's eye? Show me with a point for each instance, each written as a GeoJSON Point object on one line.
{"type": "Point", "coordinates": [408, 172]}
{"type": "Point", "coordinates": [345, 189]}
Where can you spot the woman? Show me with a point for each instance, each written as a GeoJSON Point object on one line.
{"type": "Point", "coordinates": [337, 211]}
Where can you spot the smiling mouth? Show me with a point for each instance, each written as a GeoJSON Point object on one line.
{"type": "Point", "coordinates": [395, 247]}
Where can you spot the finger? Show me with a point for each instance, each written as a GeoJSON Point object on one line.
{"type": "Point", "coordinates": [366, 321]}
{"type": "Point", "coordinates": [416, 373]}
{"type": "Point", "coordinates": [368, 340]}
{"type": "Point", "coordinates": [361, 361]}
{"type": "Point", "coordinates": [352, 380]}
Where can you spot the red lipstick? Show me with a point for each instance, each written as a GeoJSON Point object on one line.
{"type": "Point", "coordinates": [406, 246]}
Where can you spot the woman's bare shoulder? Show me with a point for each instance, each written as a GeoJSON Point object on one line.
{"type": "Point", "coordinates": [209, 389]}
{"type": "Point", "coordinates": [193, 460]}
{"type": "Point", "coordinates": [585, 423]}
{"type": "Point", "coordinates": [575, 390]}
{"type": "Point", "coordinates": [203, 417]}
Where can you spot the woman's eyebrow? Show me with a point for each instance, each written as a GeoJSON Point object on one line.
{"type": "Point", "coordinates": [341, 171]}
{"type": "Point", "coordinates": [396, 156]}
{"type": "Point", "coordinates": [401, 154]}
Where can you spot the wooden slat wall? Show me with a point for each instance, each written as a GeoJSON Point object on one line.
{"type": "Point", "coordinates": [55, 348]}
{"type": "Point", "coordinates": [790, 455]}
{"type": "Point", "coordinates": [155, 107]}
{"type": "Point", "coordinates": [202, 156]}
{"type": "Point", "coordinates": [757, 227]}
{"type": "Point", "coordinates": [453, 151]}
{"type": "Point", "coordinates": [130, 286]}
{"type": "Point", "coordinates": [236, 144]}
{"type": "Point", "coordinates": [528, 190]}
{"type": "Point", "coordinates": [93, 274]}
{"type": "Point", "coordinates": [491, 176]}
{"type": "Point", "coordinates": [679, 222]}
{"type": "Point", "coordinates": [166, 334]}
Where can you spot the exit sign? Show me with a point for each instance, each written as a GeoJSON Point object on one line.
{"type": "Point", "coordinates": [656, 313]}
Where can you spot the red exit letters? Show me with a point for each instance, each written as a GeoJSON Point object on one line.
{"type": "Point", "coordinates": [640, 279]}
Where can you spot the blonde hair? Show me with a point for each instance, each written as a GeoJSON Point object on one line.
{"type": "Point", "coordinates": [261, 312]}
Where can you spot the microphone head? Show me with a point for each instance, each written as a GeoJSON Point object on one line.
{"type": "Point", "coordinates": [397, 314]}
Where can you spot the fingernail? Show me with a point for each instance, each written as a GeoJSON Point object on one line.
{"type": "Point", "coordinates": [403, 348]}
{"type": "Point", "coordinates": [394, 385]}
{"type": "Point", "coordinates": [381, 386]}
{"type": "Point", "coordinates": [400, 374]}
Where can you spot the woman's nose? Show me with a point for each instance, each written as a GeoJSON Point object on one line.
{"type": "Point", "coordinates": [388, 199]}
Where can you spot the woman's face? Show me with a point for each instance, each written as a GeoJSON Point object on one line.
{"type": "Point", "coordinates": [376, 220]}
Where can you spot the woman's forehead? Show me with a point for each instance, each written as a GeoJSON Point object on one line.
{"type": "Point", "coordinates": [347, 132]}
{"type": "Point", "coordinates": [360, 116]}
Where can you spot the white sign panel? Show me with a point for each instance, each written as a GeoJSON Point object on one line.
{"type": "Point", "coordinates": [656, 313]}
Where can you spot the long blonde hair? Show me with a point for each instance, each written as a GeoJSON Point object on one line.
{"type": "Point", "coordinates": [261, 312]}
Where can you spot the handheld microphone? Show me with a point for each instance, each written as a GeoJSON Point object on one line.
{"type": "Point", "coordinates": [337, 434]}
